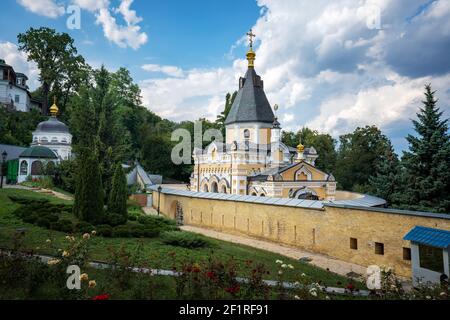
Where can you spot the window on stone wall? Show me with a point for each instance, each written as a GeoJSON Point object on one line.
{"type": "Point", "coordinates": [17, 99]}
{"type": "Point", "coordinates": [353, 243]}
{"type": "Point", "coordinates": [431, 258]}
{"type": "Point", "coordinates": [23, 168]}
{"type": "Point", "coordinates": [407, 254]}
{"type": "Point", "coordinates": [247, 134]}
{"type": "Point", "coordinates": [379, 248]}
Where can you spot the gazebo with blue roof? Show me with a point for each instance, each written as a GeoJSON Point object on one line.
{"type": "Point", "coordinates": [429, 254]}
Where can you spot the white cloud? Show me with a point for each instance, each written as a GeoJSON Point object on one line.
{"type": "Point", "coordinates": [171, 71]}
{"type": "Point", "coordinates": [123, 36]}
{"type": "Point", "coordinates": [18, 60]}
{"type": "Point", "coordinates": [46, 8]}
{"type": "Point", "coordinates": [198, 94]}
{"type": "Point", "coordinates": [327, 67]}
{"type": "Point", "coordinates": [129, 35]}
{"type": "Point", "coordinates": [92, 5]}
{"type": "Point", "coordinates": [129, 15]}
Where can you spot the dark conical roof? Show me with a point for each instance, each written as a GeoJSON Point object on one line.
{"type": "Point", "coordinates": [251, 104]}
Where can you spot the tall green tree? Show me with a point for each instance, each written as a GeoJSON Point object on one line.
{"type": "Point", "coordinates": [222, 117]}
{"type": "Point", "coordinates": [385, 181]}
{"type": "Point", "coordinates": [427, 163]}
{"type": "Point", "coordinates": [16, 127]}
{"type": "Point", "coordinates": [359, 154]}
{"type": "Point", "coordinates": [324, 144]}
{"type": "Point", "coordinates": [88, 204]}
{"type": "Point", "coordinates": [118, 196]}
{"type": "Point", "coordinates": [60, 66]}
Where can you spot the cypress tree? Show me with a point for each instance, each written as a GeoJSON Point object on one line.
{"type": "Point", "coordinates": [427, 164]}
{"type": "Point", "coordinates": [118, 195]}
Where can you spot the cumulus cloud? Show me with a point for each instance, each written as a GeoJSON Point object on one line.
{"type": "Point", "coordinates": [18, 60]}
{"type": "Point", "coordinates": [197, 94]}
{"type": "Point", "coordinates": [46, 8]}
{"type": "Point", "coordinates": [331, 65]}
{"type": "Point", "coordinates": [171, 71]}
{"type": "Point", "coordinates": [129, 35]}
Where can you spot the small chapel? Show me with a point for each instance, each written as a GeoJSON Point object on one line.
{"type": "Point", "coordinates": [253, 160]}
{"type": "Point", "coordinates": [52, 143]}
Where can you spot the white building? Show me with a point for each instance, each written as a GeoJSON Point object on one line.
{"type": "Point", "coordinates": [14, 91]}
{"type": "Point", "coordinates": [54, 135]}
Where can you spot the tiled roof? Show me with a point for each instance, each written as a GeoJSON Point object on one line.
{"type": "Point", "coordinates": [428, 236]}
{"type": "Point", "coordinates": [12, 151]}
{"type": "Point", "coordinates": [251, 104]}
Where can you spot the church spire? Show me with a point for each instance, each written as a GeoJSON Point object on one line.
{"type": "Point", "coordinates": [251, 55]}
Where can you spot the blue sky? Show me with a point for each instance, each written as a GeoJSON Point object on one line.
{"type": "Point", "coordinates": [330, 65]}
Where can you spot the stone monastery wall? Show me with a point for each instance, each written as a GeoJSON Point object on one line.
{"type": "Point", "coordinates": [310, 225]}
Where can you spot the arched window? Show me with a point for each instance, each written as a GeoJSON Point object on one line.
{"type": "Point", "coordinates": [247, 134]}
{"type": "Point", "coordinates": [214, 187]}
{"type": "Point", "coordinates": [37, 168]}
{"type": "Point", "coordinates": [54, 139]}
{"type": "Point", "coordinates": [224, 189]}
{"type": "Point", "coordinates": [44, 140]}
{"type": "Point", "coordinates": [306, 194]}
{"type": "Point", "coordinates": [23, 168]}
{"type": "Point", "coordinates": [205, 188]}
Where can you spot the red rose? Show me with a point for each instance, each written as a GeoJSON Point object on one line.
{"type": "Point", "coordinates": [210, 274]}
{"type": "Point", "coordinates": [350, 287]}
{"type": "Point", "coordinates": [233, 290]}
{"type": "Point", "coordinates": [102, 297]}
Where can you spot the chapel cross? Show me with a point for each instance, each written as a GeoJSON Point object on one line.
{"type": "Point", "coordinates": [251, 35]}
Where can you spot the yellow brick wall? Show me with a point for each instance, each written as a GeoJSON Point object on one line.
{"type": "Point", "coordinates": [326, 231]}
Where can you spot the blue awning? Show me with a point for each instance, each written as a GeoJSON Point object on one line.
{"type": "Point", "coordinates": [428, 236]}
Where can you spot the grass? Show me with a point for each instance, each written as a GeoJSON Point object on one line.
{"type": "Point", "coordinates": [38, 184]}
{"type": "Point", "coordinates": [155, 252]}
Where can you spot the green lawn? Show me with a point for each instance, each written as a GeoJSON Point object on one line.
{"type": "Point", "coordinates": [154, 252]}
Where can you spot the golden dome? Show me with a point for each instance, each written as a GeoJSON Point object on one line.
{"type": "Point", "coordinates": [251, 57]}
{"type": "Point", "coordinates": [54, 108]}
{"type": "Point", "coordinates": [300, 148]}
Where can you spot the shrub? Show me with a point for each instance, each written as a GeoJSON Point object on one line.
{"type": "Point", "coordinates": [30, 218]}
{"type": "Point", "coordinates": [84, 227]}
{"type": "Point", "coordinates": [104, 230]}
{"type": "Point", "coordinates": [134, 230]}
{"type": "Point", "coordinates": [43, 222]}
{"type": "Point", "coordinates": [27, 201]}
{"type": "Point", "coordinates": [122, 231]}
{"type": "Point", "coordinates": [63, 225]}
{"type": "Point", "coordinates": [50, 217]}
{"type": "Point", "coordinates": [114, 219]}
{"type": "Point", "coordinates": [158, 223]}
{"type": "Point", "coordinates": [185, 240]}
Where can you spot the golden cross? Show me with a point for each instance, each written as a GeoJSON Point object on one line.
{"type": "Point", "coordinates": [251, 35]}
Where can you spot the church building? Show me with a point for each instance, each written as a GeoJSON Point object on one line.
{"type": "Point", "coordinates": [253, 160]}
{"type": "Point", "coordinates": [52, 143]}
